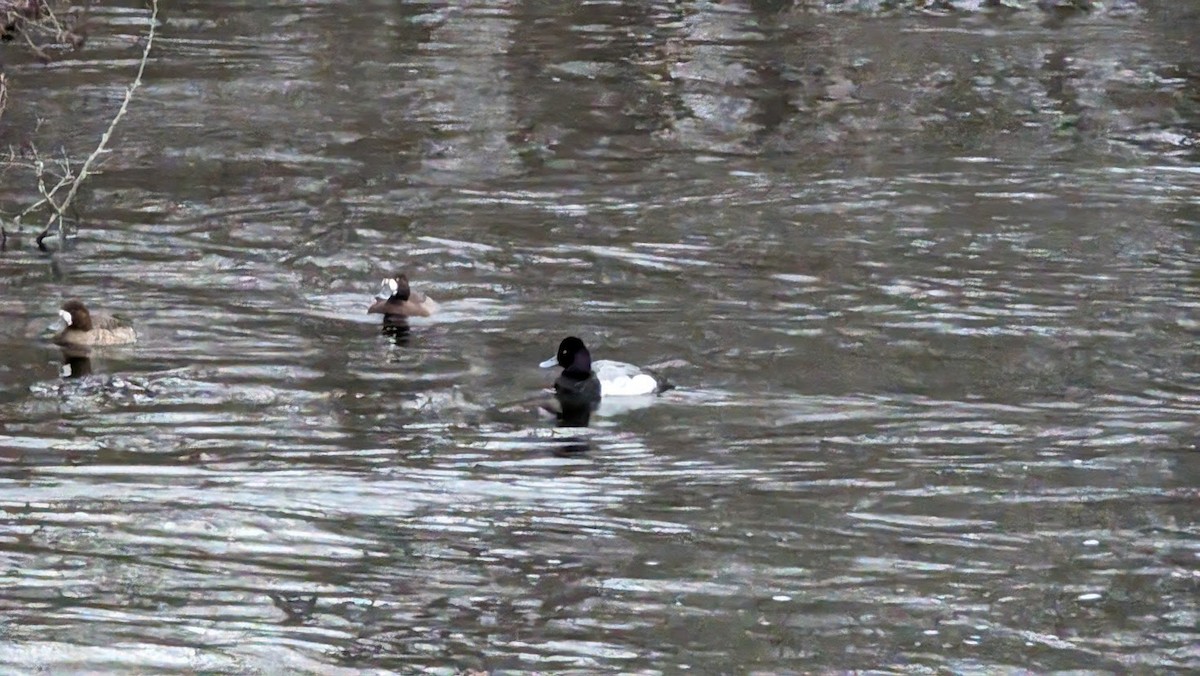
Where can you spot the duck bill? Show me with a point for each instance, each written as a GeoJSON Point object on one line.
{"type": "Point", "coordinates": [552, 361]}
{"type": "Point", "coordinates": [387, 289]}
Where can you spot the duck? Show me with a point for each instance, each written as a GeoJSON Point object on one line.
{"type": "Point", "coordinates": [85, 328]}
{"type": "Point", "coordinates": [396, 299]}
{"type": "Point", "coordinates": [584, 379]}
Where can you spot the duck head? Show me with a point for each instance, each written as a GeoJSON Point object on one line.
{"type": "Point", "coordinates": [76, 315]}
{"type": "Point", "coordinates": [573, 356]}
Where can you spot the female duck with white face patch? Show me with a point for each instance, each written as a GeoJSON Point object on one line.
{"type": "Point", "coordinates": [92, 328]}
{"type": "Point", "coordinates": [395, 299]}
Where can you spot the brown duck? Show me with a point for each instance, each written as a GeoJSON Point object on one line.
{"type": "Point", "coordinates": [92, 328]}
{"type": "Point", "coordinates": [396, 299]}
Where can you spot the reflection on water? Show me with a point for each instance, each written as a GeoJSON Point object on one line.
{"type": "Point", "coordinates": [926, 283]}
{"type": "Point", "coordinates": [77, 362]}
{"type": "Point", "coordinates": [574, 410]}
{"type": "Point", "coordinates": [397, 329]}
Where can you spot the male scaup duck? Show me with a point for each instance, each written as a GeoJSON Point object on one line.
{"type": "Point", "coordinates": [581, 377]}
{"type": "Point", "coordinates": [395, 299]}
{"type": "Point", "coordinates": [92, 328]}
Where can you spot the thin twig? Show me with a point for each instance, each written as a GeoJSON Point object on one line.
{"type": "Point", "coordinates": [3, 100]}
{"type": "Point", "coordinates": [33, 47]}
{"type": "Point", "coordinates": [39, 25]}
{"type": "Point", "coordinates": [3, 103]}
{"type": "Point", "coordinates": [84, 171]}
{"type": "Point", "coordinates": [47, 195]}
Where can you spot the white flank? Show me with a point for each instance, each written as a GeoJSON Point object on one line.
{"type": "Point", "coordinates": [618, 379]}
{"type": "Point", "coordinates": [624, 386]}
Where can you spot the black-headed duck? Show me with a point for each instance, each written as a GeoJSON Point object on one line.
{"type": "Point", "coordinates": [605, 378]}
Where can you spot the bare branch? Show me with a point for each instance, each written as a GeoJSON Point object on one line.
{"type": "Point", "coordinates": [40, 27]}
{"type": "Point", "coordinates": [39, 167]}
{"type": "Point", "coordinates": [33, 47]}
{"type": "Point", "coordinates": [86, 169]}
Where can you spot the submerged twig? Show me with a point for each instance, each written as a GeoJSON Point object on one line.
{"type": "Point", "coordinates": [86, 169]}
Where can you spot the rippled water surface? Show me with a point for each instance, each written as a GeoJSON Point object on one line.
{"type": "Point", "coordinates": [926, 283]}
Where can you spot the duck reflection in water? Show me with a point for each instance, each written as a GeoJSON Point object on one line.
{"type": "Point", "coordinates": [574, 410]}
{"type": "Point", "coordinates": [396, 328]}
{"type": "Point", "coordinates": [568, 411]}
{"type": "Point", "coordinates": [77, 362]}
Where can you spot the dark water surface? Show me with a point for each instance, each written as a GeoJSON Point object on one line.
{"type": "Point", "coordinates": [927, 284]}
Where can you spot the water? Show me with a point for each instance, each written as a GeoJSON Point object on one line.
{"type": "Point", "coordinates": [926, 283]}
